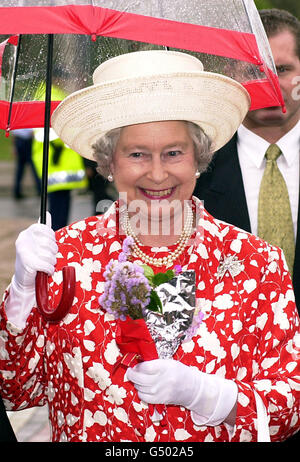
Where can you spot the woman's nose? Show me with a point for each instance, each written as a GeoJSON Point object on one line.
{"type": "Point", "coordinates": [157, 171]}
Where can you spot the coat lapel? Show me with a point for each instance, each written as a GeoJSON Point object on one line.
{"type": "Point", "coordinates": [296, 271]}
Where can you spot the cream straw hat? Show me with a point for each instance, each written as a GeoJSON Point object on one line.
{"type": "Point", "coordinates": [149, 86]}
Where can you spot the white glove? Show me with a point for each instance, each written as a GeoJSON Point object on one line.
{"type": "Point", "coordinates": [166, 381]}
{"type": "Point", "coordinates": [36, 250]}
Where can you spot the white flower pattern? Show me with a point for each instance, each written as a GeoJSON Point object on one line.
{"type": "Point", "coordinates": [246, 335]}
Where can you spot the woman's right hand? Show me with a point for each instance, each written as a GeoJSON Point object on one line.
{"type": "Point", "coordinates": [36, 250]}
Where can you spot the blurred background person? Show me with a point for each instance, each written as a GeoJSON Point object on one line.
{"type": "Point", "coordinates": [22, 148]}
{"type": "Point", "coordinates": [66, 172]}
{"type": "Point", "coordinates": [237, 187]}
{"type": "Point", "coordinates": [66, 169]}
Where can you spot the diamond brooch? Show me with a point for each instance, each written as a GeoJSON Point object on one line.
{"type": "Point", "coordinates": [231, 264]}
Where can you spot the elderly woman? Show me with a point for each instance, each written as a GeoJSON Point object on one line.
{"type": "Point", "coordinates": [151, 120]}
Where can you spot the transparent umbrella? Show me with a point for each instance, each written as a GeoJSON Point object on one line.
{"type": "Point", "coordinates": [47, 42]}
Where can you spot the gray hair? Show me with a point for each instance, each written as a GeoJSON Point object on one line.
{"type": "Point", "coordinates": [105, 146]}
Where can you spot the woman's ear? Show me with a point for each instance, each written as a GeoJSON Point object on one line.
{"type": "Point", "coordinates": [112, 167]}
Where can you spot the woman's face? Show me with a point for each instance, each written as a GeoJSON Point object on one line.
{"type": "Point", "coordinates": [155, 161]}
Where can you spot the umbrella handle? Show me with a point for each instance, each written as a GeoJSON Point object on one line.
{"type": "Point", "coordinates": [41, 289]}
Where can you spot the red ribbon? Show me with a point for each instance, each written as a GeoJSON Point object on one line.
{"type": "Point", "coordinates": [136, 344]}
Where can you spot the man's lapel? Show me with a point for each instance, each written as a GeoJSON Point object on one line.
{"type": "Point", "coordinates": [221, 187]}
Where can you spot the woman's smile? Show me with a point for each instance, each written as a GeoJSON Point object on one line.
{"type": "Point", "coordinates": [157, 194]}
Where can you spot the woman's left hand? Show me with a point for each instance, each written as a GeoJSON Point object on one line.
{"type": "Point", "coordinates": [166, 381]}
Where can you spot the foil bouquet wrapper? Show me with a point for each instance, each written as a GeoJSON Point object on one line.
{"type": "Point", "coordinates": [178, 297]}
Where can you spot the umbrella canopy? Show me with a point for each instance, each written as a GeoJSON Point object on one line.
{"type": "Point", "coordinates": [227, 35]}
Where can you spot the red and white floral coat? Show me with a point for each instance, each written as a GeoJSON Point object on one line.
{"type": "Point", "coordinates": [249, 334]}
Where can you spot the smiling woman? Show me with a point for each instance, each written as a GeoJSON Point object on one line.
{"type": "Point", "coordinates": [156, 162]}
{"type": "Point", "coordinates": [105, 147]}
{"type": "Point", "coordinates": [172, 336]}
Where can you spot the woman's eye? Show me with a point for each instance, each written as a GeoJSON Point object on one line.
{"type": "Point", "coordinates": [136, 155]}
{"type": "Point", "coordinates": [173, 153]}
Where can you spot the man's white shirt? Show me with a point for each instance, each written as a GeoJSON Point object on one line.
{"type": "Point", "coordinates": [251, 151]}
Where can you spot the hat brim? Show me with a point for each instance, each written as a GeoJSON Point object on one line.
{"type": "Point", "coordinates": [215, 102]}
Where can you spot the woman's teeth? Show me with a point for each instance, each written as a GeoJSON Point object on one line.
{"type": "Point", "coordinates": [162, 193]}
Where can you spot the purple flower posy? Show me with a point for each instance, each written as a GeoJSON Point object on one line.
{"type": "Point", "coordinates": [127, 290]}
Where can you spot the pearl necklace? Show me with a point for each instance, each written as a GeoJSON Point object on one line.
{"type": "Point", "coordinates": [162, 261]}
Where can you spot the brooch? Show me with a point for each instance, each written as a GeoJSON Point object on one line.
{"type": "Point", "coordinates": [231, 264]}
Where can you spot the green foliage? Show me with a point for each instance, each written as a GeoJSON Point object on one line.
{"type": "Point", "coordinates": [155, 303]}
{"type": "Point", "coordinates": [159, 278]}
{"type": "Point", "coordinates": [5, 147]}
{"type": "Point", "coordinates": [293, 6]}
{"type": "Point", "coordinates": [155, 280]}
{"type": "Point", "coordinates": [262, 4]}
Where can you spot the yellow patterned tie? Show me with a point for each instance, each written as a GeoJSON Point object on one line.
{"type": "Point", "coordinates": [275, 223]}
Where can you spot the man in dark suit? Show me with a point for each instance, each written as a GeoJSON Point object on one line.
{"type": "Point", "coordinates": [230, 186]}
{"type": "Point", "coordinates": [6, 432]}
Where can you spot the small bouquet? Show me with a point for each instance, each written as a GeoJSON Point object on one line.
{"type": "Point", "coordinates": [155, 312]}
{"type": "Point", "coordinates": [129, 286]}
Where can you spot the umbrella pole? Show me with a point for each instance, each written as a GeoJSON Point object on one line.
{"type": "Point", "coordinates": [44, 185]}
{"type": "Point", "coordinates": [41, 282]}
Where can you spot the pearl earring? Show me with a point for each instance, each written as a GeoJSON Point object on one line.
{"type": "Point", "coordinates": [197, 174]}
{"type": "Point", "coordinates": [110, 178]}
